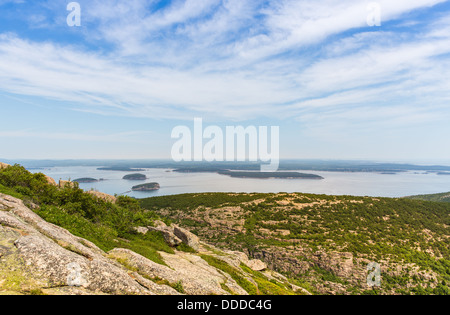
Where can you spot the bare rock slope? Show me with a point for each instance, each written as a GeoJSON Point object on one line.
{"type": "Point", "coordinates": [39, 257]}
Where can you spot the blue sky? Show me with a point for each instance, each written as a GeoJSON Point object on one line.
{"type": "Point", "coordinates": [116, 86]}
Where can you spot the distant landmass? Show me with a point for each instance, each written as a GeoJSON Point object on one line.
{"type": "Point", "coordinates": [199, 169]}
{"type": "Point", "coordinates": [285, 165]}
{"type": "Point", "coordinates": [120, 168]}
{"type": "Point", "coordinates": [293, 165]}
{"type": "Point", "coordinates": [248, 174]}
{"type": "Point", "coordinates": [135, 177]}
{"type": "Point", "coordinates": [285, 175]}
{"type": "Point", "coordinates": [146, 187]}
{"type": "Point", "coordinates": [86, 180]}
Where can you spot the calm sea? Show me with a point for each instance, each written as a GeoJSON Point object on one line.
{"type": "Point", "coordinates": [335, 183]}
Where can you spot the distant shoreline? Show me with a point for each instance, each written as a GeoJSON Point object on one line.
{"type": "Point", "coordinates": [285, 165]}
{"type": "Point", "coordinates": [266, 175]}
{"type": "Point", "coordinates": [193, 181]}
{"type": "Point", "coordinates": [87, 180]}
{"type": "Point", "coordinates": [251, 174]}
{"type": "Point", "coordinates": [120, 169]}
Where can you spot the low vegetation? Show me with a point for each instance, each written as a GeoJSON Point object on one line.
{"type": "Point", "coordinates": [410, 238]}
{"type": "Point", "coordinates": [442, 197]}
{"type": "Point", "coordinates": [112, 225]}
{"type": "Point", "coordinates": [323, 242]}
{"type": "Point", "coordinates": [106, 224]}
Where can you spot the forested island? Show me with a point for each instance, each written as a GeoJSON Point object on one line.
{"type": "Point", "coordinates": [204, 169]}
{"type": "Point", "coordinates": [264, 175]}
{"type": "Point", "coordinates": [135, 177]}
{"type": "Point", "coordinates": [146, 187]}
{"type": "Point", "coordinates": [249, 174]}
{"type": "Point", "coordinates": [120, 168]}
{"type": "Point", "coordinates": [86, 180]}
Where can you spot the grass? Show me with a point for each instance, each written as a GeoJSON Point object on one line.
{"type": "Point", "coordinates": [177, 286]}
{"type": "Point", "coordinates": [235, 274]}
{"type": "Point", "coordinates": [101, 235]}
{"type": "Point", "coordinates": [266, 286]}
{"type": "Point", "coordinates": [10, 191]}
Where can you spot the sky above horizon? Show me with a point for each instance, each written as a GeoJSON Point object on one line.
{"type": "Point", "coordinates": [116, 86]}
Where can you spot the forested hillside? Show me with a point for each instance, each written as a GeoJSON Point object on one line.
{"type": "Point", "coordinates": [327, 241]}
{"type": "Point", "coordinates": [442, 197]}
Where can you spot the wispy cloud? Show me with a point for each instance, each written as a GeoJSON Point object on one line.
{"type": "Point", "coordinates": [234, 59]}
{"type": "Point", "coordinates": [125, 137]}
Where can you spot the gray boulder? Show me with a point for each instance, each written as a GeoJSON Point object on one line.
{"type": "Point", "coordinates": [167, 232]}
{"type": "Point", "coordinates": [257, 265]}
{"type": "Point", "coordinates": [187, 237]}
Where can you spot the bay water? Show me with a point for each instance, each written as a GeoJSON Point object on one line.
{"type": "Point", "coordinates": [334, 183]}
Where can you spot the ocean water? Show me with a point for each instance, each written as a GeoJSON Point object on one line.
{"type": "Point", "coordinates": [334, 183]}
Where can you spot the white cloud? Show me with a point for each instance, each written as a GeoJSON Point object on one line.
{"type": "Point", "coordinates": [217, 59]}
{"type": "Point", "coordinates": [124, 137]}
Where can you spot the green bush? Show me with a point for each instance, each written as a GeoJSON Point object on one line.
{"type": "Point", "coordinates": [105, 224]}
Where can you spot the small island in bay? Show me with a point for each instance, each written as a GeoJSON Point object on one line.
{"type": "Point", "coordinates": [135, 177]}
{"type": "Point", "coordinates": [86, 180]}
{"type": "Point", "coordinates": [146, 187]}
{"type": "Point", "coordinates": [285, 175]}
